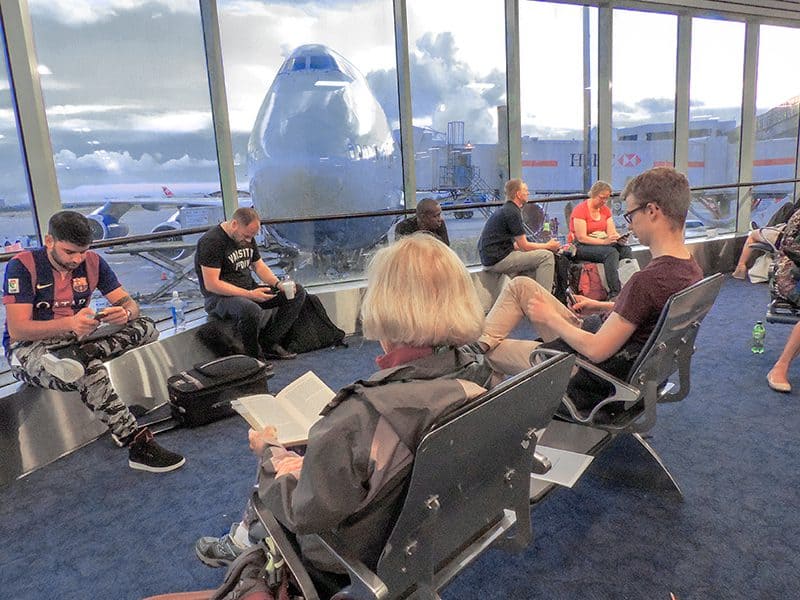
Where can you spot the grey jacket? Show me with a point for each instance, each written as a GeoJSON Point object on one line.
{"type": "Point", "coordinates": [359, 455]}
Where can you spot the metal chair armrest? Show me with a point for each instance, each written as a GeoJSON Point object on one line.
{"type": "Point", "coordinates": [363, 582]}
{"type": "Point", "coordinates": [623, 392]}
{"type": "Point", "coordinates": [276, 531]}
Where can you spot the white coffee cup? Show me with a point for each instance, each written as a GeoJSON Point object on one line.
{"type": "Point", "coordinates": [288, 289]}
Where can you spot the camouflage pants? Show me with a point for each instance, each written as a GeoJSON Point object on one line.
{"type": "Point", "coordinates": [96, 391]}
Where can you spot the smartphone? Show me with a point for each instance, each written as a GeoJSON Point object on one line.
{"type": "Point", "coordinates": [99, 315]}
{"type": "Point", "coordinates": [571, 299]}
{"type": "Point", "coordinates": [624, 237]}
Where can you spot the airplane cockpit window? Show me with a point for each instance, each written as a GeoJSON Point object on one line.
{"type": "Point", "coordinates": [298, 64]}
{"type": "Point", "coordinates": [321, 62]}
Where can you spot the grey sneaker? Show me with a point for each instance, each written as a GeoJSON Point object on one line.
{"type": "Point", "coordinates": [65, 369]}
{"type": "Point", "coordinates": [218, 552]}
{"type": "Point", "coordinates": [145, 454]}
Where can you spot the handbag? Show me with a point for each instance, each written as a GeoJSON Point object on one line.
{"type": "Point", "coordinates": [759, 272]}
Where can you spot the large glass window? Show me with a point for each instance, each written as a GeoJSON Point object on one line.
{"type": "Point", "coordinates": [777, 102]}
{"type": "Point", "coordinates": [715, 101]}
{"type": "Point", "coordinates": [126, 96]}
{"type": "Point", "coordinates": [312, 90]}
{"type": "Point", "coordinates": [559, 103]}
{"type": "Point", "coordinates": [643, 92]}
{"type": "Point", "coordinates": [17, 227]}
{"type": "Point", "coordinates": [458, 96]}
{"type": "Point", "coordinates": [715, 107]}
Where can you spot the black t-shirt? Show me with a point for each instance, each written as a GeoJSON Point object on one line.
{"type": "Point", "coordinates": [497, 238]}
{"type": "Point", "coordinates": [217, 250]}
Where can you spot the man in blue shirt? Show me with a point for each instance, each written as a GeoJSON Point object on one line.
{"type": "Point", "coordinates": [504, 248]}
{"type": "Point", "coordinates": [46, 293]}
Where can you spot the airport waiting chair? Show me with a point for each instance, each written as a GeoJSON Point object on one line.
{"type": "Point", "coordinates": [469, 486]}
{"type": "Point", "coordinates": [667, 353]}
{"type": "Point", "coordinates": [779, 309]}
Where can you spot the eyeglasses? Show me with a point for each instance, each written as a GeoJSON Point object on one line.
{"type": "Point", "coordinates": [628, 216]}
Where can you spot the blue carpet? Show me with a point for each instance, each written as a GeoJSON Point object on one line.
{"type": "Point", "coordinates": [89, 527]}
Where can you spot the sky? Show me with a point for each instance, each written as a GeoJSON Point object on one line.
{"type": "Point", "coordinates": [126, 90]}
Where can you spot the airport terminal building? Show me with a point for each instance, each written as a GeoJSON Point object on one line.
{"type": "Point", "coordinates": [333, 119]}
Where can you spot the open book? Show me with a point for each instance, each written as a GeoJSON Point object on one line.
{"type": "Point", "coordinates": [292, 411]}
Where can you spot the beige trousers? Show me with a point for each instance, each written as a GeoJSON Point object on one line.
{"type": "Point", "coordinates": [510, 356]}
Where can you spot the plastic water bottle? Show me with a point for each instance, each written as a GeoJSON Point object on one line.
{"type": "Point", "coordinates": [178, 309]}
{"type": "Point", "coordinates": [757, 346]}
{"type": "Point", "coordinates": [546, 231]}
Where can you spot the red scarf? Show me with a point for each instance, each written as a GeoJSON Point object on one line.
{"type": "Point", "coordinates": [402, 355]}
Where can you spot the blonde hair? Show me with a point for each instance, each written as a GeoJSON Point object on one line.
{"type": "Point", "coordinates": [420, 294]}
{"type": "Point", "coordinates": [512, 187]}
{"type": "Point", "coordinates": [598, 188]}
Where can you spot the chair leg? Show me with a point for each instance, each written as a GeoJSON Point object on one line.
{"type": "Point", "coordinates": [656, 456]}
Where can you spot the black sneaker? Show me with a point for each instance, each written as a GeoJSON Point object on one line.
{"type": "Point", "coordinates": [276, 351]}
{"type": "Point", "coordinates": [145, 454]}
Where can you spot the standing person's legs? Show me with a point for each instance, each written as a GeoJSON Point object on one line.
{"type": "Point", "coordinates": [247, 314]}
{"type": "Point", "coordinates": [536, 264]}
{"type": "Point", "coordinates": [778, 376]}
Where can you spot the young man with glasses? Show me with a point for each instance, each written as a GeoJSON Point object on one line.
{"type": "Point", "coordinates": [610, 334]}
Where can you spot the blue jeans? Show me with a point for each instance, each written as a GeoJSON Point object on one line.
{"type": "Point", "coordinates": [609, 256]}
{"type": "Point", "coordinates": [259, 324]}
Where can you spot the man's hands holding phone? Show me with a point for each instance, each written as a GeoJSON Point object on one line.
{"type": "Point", "coordinates": [113, 315]}
{"type": "Point", "coordinates": [262, 293]}
{"type": "Point", "coordinates": [86, 320]}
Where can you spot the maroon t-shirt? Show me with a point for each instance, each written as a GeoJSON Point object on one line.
{"type": "Point", "coordinates": [645, 294]}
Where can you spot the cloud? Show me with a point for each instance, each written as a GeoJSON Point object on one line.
{"type": "Point", "coordinates": [444, 88]}
{"type": "Point", "coordinates": [79, 12]}
{"type": "Point", "coordinates": [177, 121]}
{"type": "Point", "coordinates": [115, 163]}
{"type": "Point", "coordinates": [646, 110]}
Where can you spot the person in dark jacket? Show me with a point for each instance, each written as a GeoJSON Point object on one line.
{"type": "Point", "coordinates": [359, 455]}
{"type": "Point", "coordinates": [429, 218]}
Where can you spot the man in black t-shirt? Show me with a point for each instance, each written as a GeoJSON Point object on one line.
{"type": "Point", "coordinates": [504, 248]}
{"type": "Point", "coordinates": [225, 257]}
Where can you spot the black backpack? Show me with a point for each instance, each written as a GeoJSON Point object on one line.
{"type": "Point", "coordinates": [313, 329]}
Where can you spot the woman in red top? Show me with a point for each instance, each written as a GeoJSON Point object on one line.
{"type": "Point", "coordinates": [592, 230]}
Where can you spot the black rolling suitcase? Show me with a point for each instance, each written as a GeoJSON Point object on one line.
{"type": "Point", "coordinates": [203, 394]}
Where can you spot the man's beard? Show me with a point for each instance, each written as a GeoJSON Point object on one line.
{"type": "Point", "coordinates": [66, 266]}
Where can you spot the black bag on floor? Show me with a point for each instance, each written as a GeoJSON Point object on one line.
{"type": "Point", "coordinates": [313, 329]}
{"type": "Point", "coordinates": [203, 394]}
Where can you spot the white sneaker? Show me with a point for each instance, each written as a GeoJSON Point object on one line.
{"type": "Point", "coordinates": [67, 370]}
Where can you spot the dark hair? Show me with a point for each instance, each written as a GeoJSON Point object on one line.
{"type": "Point", "coordinates": [426, 206]}
{"type": "Point", "coordinates": [245, 215]}
{"type": "Point", "coordinates": [663, 186]}
{"type": "Point", "coordinates": [70, 226]}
